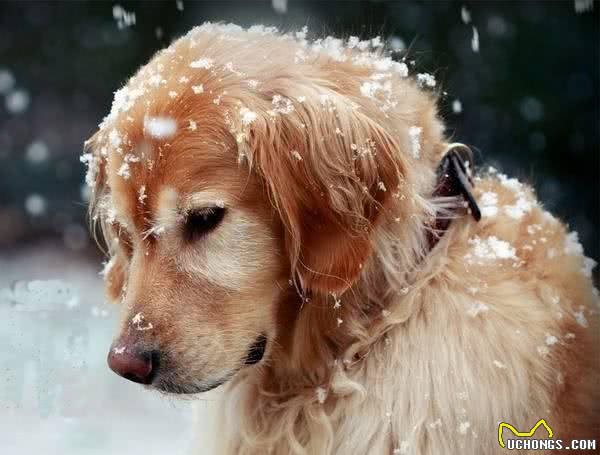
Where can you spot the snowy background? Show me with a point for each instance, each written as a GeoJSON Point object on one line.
{"type": "Point", "coordinates": [519, 81]}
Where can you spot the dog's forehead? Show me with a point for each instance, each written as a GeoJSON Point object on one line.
{"type": "Point", "coordinates": [155, 178]}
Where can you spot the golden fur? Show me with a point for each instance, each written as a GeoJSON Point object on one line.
{"type": "Point", "coordinates": [324, 154]}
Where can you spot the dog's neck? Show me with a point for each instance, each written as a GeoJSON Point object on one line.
{"type": "Point", "coordinates": [327, 330]}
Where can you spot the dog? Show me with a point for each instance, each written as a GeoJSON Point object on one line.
{"type": "Point", "coordinates": [286, 217]}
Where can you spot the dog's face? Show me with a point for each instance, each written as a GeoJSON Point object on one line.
{"type": "Point", "coordinates": [203, 268]}
{"type": "Point", "coordinates": [216, 183]}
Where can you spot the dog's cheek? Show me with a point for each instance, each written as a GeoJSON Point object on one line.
{"type": "Point", "coordinates": [239, 257]}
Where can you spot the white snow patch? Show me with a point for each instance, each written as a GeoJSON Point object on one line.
{"type": "Point", "coordinates": [588, 265]}
{"type": "Point", "coordinates": [414, 133]}
{"type": "Point", "coordinates": [138, 320]}
{"type": "Point", "coordinates": [124, 170]}
{"type": "Point", "coordinates": [197, 89]}
{"type": "Point", "coordinates": [489, 249]}
{"type": "Point", "coordinates": [142, 194]}
{"type": "Point", "coordinates": [580, 318]}
{"type": "Point", "coordinates": [519, 208]}
{"type": "Point", "coordinates": [426, 80]}
{"type": "Point", "coordinates": [248, 116]}
{"type": "Point", "coordinates": [160, 127]}
{"type": "Point", "coordinates": [551, 340]}
{"type": "Point", "coordinates": [477, 308]}
{"type": "Point", "coordinates": [205, 63]}
{"type": "Point", "coordinates": [499, 365]}
{"type": "Point", "coordinates": [488, 203]}
{"type": "Point", "coordinates": [572, 244]}
{"type": "Point", "coordinates": [281, 105]}
{"type": "Point", "coordinates": [510, 183]}
{"type": "Point", "coordinates": [321, 393]}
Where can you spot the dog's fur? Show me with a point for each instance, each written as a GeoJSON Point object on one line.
{"type": "Point", "coordinates": [375, 344]}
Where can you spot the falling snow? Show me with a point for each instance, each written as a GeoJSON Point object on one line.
{"type": "Point", "coordinates": [124, 18]}
{"type": "Point", "coordinates": [17, 102]}
{"type": "Point", "coordinates": [465, 15]}
{"type": "Point", "coordinates": [37, 152]}
{"type": "Point", "coordinates": [457, 106]}
{"type": "Point", "coordinates": [475, 40]}
{"type": "Point", "coordinates": [35, 204]}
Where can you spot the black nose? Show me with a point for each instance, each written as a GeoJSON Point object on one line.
{"type": "Point", "coordinates": [133, 364]}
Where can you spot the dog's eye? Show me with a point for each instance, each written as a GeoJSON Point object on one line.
{"type": "Point", "coordinates": [201, 221]}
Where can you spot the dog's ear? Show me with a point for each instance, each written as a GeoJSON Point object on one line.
{"type": "Point", "coordinates": [104, 229]}
{"type": "Point", "coordinates": [330, 172]}
{"type": "Point", "coordinates": [114, 273]}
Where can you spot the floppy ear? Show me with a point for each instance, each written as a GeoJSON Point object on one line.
{"type": "Point", "coordinates": [115, 276]}
{"type": "Point", "coordinates": [330, 172]}
{"type": "Point", "coordinates": [110, 238]}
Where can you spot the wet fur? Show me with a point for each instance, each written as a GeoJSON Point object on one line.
{"type": "Point", "coordinates": [328, 256]}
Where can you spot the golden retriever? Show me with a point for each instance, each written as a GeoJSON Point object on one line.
{"type": "Point", "coordinates": [274, 219]}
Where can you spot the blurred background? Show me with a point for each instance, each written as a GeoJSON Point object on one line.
{"type": "Point", "coordinates": [518, 81]}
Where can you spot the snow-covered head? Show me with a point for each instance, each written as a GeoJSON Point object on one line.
{"type": "Point", "coordinates": [241, 171]}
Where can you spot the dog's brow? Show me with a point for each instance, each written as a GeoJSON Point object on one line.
{"type": "Point", "coordinates": [205, 199]}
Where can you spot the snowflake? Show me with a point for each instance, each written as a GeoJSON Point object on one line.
{"type": "Point", "coordinates": [160, 127]}
{"type": "Point", "coordinates": [489, 249]}
{"type": "Point", "coordinates": [205, 63]}
{"type": "Point", "coordinates": [426, 80]}
{"type": "Point", "coordinates": [248, 116]}
{"type": "Point", "coordinates": [321, 394]}
{"type": "Point", "coordinates": [488, 204]}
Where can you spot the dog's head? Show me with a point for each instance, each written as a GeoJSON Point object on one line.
{"type": "Point", "coordinates": [228, 180]}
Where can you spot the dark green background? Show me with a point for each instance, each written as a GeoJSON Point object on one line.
{"type": "Point", "coordinates": [530, 96]}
